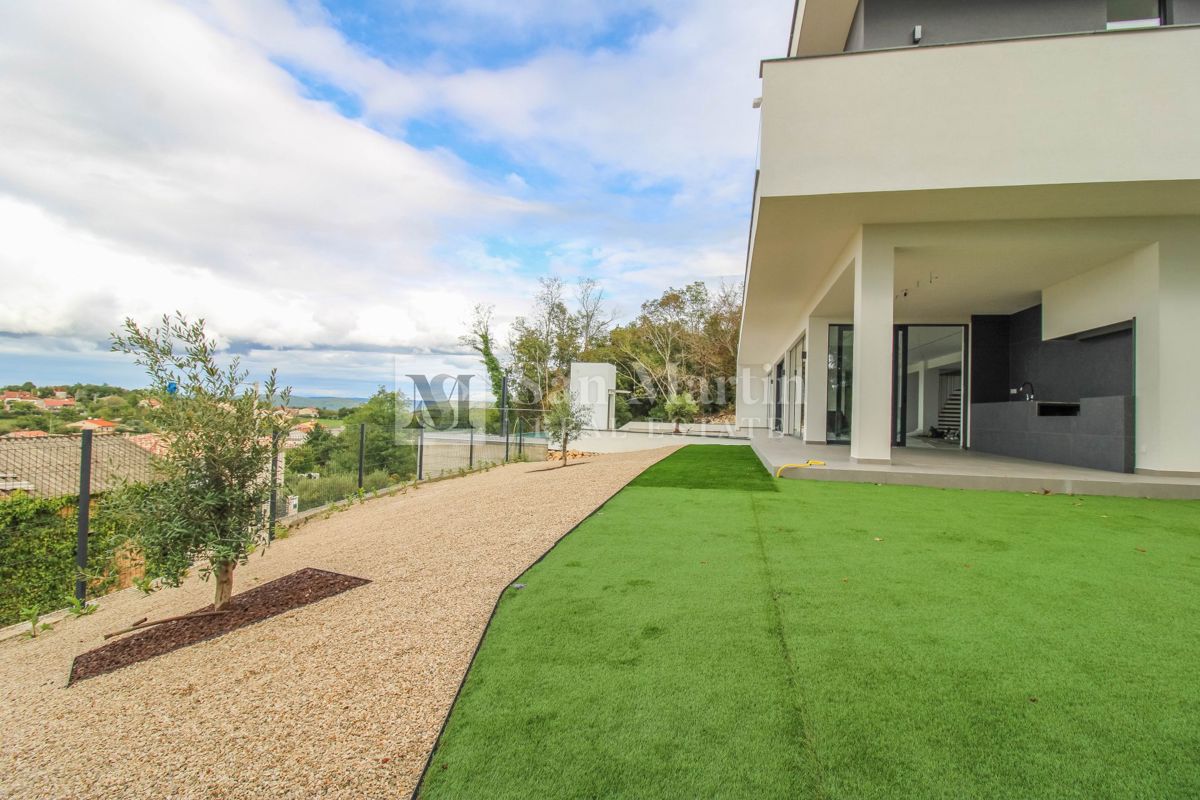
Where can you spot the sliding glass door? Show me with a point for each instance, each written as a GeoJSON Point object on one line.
{"type": "Point", "coordinates": [929, 403]}
{"type": "Point", "coordinates": [777, 422]}
{"type": "Point", "coordinates": [839, 399]}
{"type": "Point", "coordinates": [795, 394]}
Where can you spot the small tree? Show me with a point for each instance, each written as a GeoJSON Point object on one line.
{"type": "Point", "coordinates": [216, 469]}
{"type": "Point", "coordinates": [681, 407]}
{"type": "Point", "coordinates": [565, 419]}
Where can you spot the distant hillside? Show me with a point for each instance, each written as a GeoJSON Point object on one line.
{"type": "Point", "coordinates": [330, 403]}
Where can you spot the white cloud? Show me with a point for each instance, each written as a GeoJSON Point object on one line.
{"type": "Point", "coordinates": [158, 156]}
{"type": "Point", "coordinates": [153, 163]}
{"type": "Point", "coordinates": [675, 103]}
{"type": "Point", "coordinates": [675, 106]}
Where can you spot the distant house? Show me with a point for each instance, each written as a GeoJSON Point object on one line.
{"type": "Point", "coordinates": [299, 434]}
{"type": "Point", "coordinates": [58, 403]}
{"type": "Point", "coordinates": [305, 412]}
{"type": "Point", "coordinates": [150, 402]}
{"type": "Point", "coordinates": [9, 397]}
{"type": "Point", "coordinates": [48, 466]}
{"type": "Point", "coordinates": [152, 443]}
{"type": "Point", "coordinates": [24, 435]}
{"type": "Point", "coordinates": [98, 425]}
{"type": "Point", "coordinates": [61, 393]}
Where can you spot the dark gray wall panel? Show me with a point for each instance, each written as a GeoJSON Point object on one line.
{"type": "Point", "coordinates": [889, 23]}
{"type": "Point", "coordinates": [1101, 437]}
{"type": "Point", "coordinates": [1184, 12]}
{"type": "Point", "coordinates": [1068, 369]}
{"type": "Point", "coordinates": [989, 359]}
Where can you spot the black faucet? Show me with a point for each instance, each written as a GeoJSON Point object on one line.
{"type": "Point", "coordinates": [1027, 393]}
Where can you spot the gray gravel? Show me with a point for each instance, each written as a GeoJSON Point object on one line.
{"type": "Point", "coordinates": [342, 698]}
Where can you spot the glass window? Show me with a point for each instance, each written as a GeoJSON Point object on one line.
{"type": "Point", "coordinates": [1133, 14]}
{"type": "Point", "coordinates": [841, 383]}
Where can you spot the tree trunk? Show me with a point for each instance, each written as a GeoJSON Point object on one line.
{"type": "Point", "coordinates": [565, 438]}
{"type": "Point", "coordinates": [223, 573]}
{"type": "Point", "coordinates": [676, 426]}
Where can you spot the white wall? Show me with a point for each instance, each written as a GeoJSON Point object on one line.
{"type": "Point", "coordinates": [592, 385]}
{"type": "Point", "coordinates": [1178, 366]}
{"type": "Point", "coordinates": [754, 396]}
{"type": "Point", "coordinates": [1121, 106]}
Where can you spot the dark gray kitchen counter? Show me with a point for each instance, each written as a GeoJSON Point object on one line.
{"type": "Point", "coordinates": [1095, 432]}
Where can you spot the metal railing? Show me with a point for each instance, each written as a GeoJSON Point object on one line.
{"type": "Point", "coordinates": [54, 548]}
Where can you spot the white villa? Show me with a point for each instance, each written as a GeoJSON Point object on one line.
{"type": "Point", "coordinates": [977, 225]}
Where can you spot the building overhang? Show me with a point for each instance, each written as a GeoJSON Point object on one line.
{"type": "Point", "coordinates": [796, 241]}
{"type": "Point", "coordinates": [820, 27]}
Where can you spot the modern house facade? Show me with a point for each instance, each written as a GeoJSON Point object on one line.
{"type": "Point", "coordinates": [977, 225]}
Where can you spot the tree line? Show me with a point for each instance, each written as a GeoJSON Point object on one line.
{"type": "Point", "coordinates": [684, 341]}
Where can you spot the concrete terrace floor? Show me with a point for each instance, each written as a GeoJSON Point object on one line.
{"type": "Point", "coordinates": [961, 469]}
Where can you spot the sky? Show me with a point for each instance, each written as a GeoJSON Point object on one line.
{"type": "Point", "coordinates": [335, 185]}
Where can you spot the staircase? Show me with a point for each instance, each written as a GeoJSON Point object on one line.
{"type": "Point", "coordinates": [949, 417]}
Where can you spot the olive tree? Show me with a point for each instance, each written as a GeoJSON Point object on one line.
{"type": "Point", "coordinates": [681, 407]}
{"type": "Point", "coordinates": [220, 435]}
{"type": "Point", "coordinates": [564, 420]}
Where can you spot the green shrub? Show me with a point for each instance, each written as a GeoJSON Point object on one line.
{"type": "Point", "coordinates": [37, 549]}
{"type": "Point", "coordinates": [337, 486]}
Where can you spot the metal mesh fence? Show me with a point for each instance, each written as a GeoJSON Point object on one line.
{"type": "Point", "coordinates": [48, 553]}
{"type": "Point", "coordinates": [338, 463]}
{"type": "Point", "coordinates": [342, 463]}
{"type": "Point", "coordinates": [49, 466]}
{"type": "Point", "coordinates": [51, 553]}
{"type": "Point", "coordinates": [449, 452]}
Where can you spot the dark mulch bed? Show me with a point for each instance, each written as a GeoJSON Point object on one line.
{"type": "Point", "coordinates": [282, 594]}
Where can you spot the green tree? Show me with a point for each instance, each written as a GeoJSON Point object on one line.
{"type": "Point", "coordinates": [686, 339]}
{"type": "Point", "coordinates": [543, 345]}
{"type": "Point", "coordinates": [681, 407]}
{"type": "Point", "coordinates": [216, 469]}
{"type": "Point", "coordinates": [316, 453]}
{"type": "Point", "coordinates": [564, 420]}
{"type": "Point", "coordinates": [389, 445]}
{"type": "Point", "coordinates": [480, 340]}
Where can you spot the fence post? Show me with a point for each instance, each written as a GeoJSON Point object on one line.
{"type": "Point", "coordinates": [85, 500]}
{"type": "Point", "coordinates": [274, 486]}
{"type": "Point", "coordinates": [420, 450]}
{"type": "Point", "coordinates": [520, 439]}
{"type": "Point", "coordinates": [362, 451]}
{"type": "Point", "coordinates": [506, 438]}
{"type": "Point", "coordinates": [504, 405]}
{"type": "Point", "coordinates": [471, 448]}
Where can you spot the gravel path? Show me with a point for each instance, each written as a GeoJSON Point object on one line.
{"type": "Point", "coordinates": [339, 699]}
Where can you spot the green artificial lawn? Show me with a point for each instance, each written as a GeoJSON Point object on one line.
{"type": "Point", "coordinates": [765, 638]}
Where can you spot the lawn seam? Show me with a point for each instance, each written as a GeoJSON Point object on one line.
{"type": "Point", "coordinates": [777, 629]}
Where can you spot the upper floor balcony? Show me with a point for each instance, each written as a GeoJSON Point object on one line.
{"type": "Point", "coordinates": [1108, 107]}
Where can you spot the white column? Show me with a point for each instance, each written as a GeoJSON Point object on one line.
{"type": "Point", "coordinates": [1168, 380]}
{"type": "Point", "coordinates": [871, 409]}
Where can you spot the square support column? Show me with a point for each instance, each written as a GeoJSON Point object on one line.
{"type": "Point", "coordinates": [871, 407]}
{"type": "Point", "coordinates": [1168, 364]}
